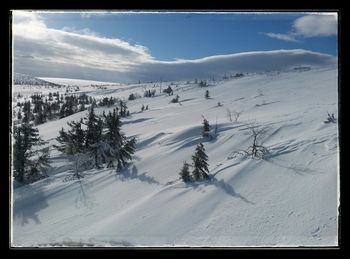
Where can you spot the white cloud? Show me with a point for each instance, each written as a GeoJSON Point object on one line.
{"type": "Point", "coordinates": [85, 31]}
{"type": "Point", "coordinates": [311, 25]}
{"type": "Point", "coordinates": [279, 36]}
{"type": "Point", "coordinates": [70, 46]}
{"type": "Point", "coordinates": [316, 25]}
{"type": "Point", "coordinates": [94, 14]}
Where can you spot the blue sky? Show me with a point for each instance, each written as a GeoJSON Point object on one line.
{"type": "Point", "coordinates": [196, 35]}
{"type": "Point", "coordinates": [122, 41]}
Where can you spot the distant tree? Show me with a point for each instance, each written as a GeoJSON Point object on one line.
{"type": "Point", "coordinates": [150, 93]}
{"type": "Point", "coordinates": [168, 90]}
{"type": "Point", "coordinates": [142, 108]}
{"type": "Point", "coordinates": [131, 97]}
{"type": "Point", "coordinates": [185, 174]}
{"type": "Point", "coordinates": [146, 107]}
{"type": "Point", "coordinates": [203, 83]}
{"type": "Point", "coordinates": [82, 107]}
{"type": "Point", "coordinates": [200, 163]}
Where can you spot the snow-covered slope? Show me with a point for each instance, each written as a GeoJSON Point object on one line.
{"type": "Point", "coordinates": [75, 82]}
{"type": "Point", "coordinates": [288, 199]}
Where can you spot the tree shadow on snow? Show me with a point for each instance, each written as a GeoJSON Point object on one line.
{"type": "Point", "coordinates": [27, 202]}
{"type": "Point", "coordinates": [128, 174]}
{"type": "Point", "coordinates": [296, 168]}
{"type": "Point", "coordinates": [83, 198]}
{"type": "Point", "coordinates": [228, 189]}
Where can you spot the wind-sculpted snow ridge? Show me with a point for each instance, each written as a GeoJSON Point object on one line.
{"type": "Point", "coordinates": [287, 198]}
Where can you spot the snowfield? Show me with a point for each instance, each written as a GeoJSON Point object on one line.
{"type": "Point", "coordinates": [289, 198]}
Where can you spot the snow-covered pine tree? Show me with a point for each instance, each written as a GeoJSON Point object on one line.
{"type": "Point", "coordinates": [206, 128]}
{"type": "Point", "coordinates": [64, 140]}
{"type": "Point", "coordinates": [73, 141]}
{"type": "Point", "coordinates": [112, 134]}
{"type": "Point", "coordinates": [76, 136]}
{"type": "Point", "coordinates": [185, 174]}
{"type": "Point", "coordinates": [125, 152]}
{"type": "Point", "coordinates": [40, 117]}
{"type": "Point", "coordinates": [121, 148]}
{"type": "Point", "coordinates": [19, 114]}
{"type": "Point", "coordinates": [28, 164]}
{"type": "Point", "coordinates": [200, 164]}
{"type": "Point", "coordinates": [93, 136]}
{"type": "Point", "coordinates": [82, 107]}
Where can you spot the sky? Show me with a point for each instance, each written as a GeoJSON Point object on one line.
{"type": "Point", "coordinates": [131, 46]}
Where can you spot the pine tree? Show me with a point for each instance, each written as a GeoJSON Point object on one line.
{"type": "Point", "coordinates": [19, 114]}
{"type": "Point", "coordinates": [123, 109]}
{"type": "Point", "coordinates": [64, 140]}
{"type": "Point", "coordinates": [125, 153]}
{"type": "Point", "coordinates": [27, 112]}
{"type": "Point", "coordinates": [206, 128]}
{"type": "Point", "coordinates": [62, 112]}
{"type": "Point", "coordinates": [113, 135]}
{"type": "Point", "coordinates": [200, 163]}
{"type": "Point", "coordinates": [76, 136]}
{"type": "Point", "coordinates": [82, 107]}
{"type": "Point", "coordinates": [19, 155]}
{"type": "Point", "coordinates": [40, 117]}
{"type": "Point", "coordinates": [185, 173]}
{"type": "Point", "coordinates": [29, 164]}
{"type": "Point", "coordinates": [93, 134]}
{"type": "Point", "coordinates": [121, 149]}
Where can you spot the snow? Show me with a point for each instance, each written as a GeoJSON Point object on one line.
{"type": "Point", "coordinates": [288, 199]}
{"type": "Point", "coordinates": [75, 82]}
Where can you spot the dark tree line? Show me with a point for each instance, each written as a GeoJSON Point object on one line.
{"type": "Point", "coordinates": [40, 110]}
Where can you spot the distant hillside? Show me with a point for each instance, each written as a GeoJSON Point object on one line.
{"type": "Point", "coordinates": [22, 79]}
